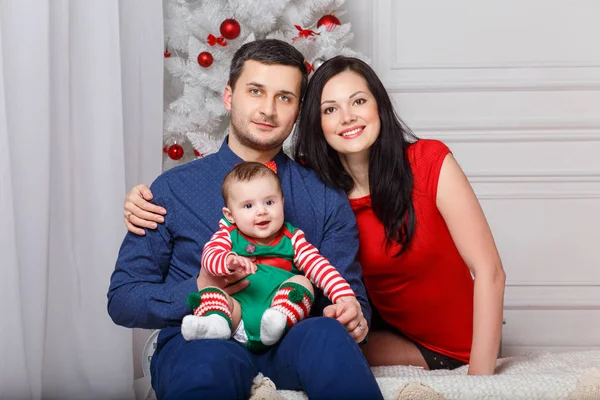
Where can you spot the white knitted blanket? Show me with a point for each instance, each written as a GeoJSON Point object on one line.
{"type": "Point", "coordinates": [546, 376]}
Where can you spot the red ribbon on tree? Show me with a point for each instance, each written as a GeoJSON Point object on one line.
{"type": "Point", "coordinates": [309, 68]}
{"type": "Point", "coordinates": [304, 33]}
{"type": "Point", "coordinates": [212, 40]}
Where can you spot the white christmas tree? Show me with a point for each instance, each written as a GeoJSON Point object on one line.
{"type": "Point", "coordinates": [201, 37]}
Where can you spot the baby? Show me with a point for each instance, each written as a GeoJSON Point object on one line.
{"type": "Point", "coordinates": [254, 238]}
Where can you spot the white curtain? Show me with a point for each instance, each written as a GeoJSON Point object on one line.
{"type": "Point", "coordinates": [80, 121]}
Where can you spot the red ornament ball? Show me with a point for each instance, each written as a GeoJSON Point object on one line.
{"type": "Point", "coordinates": [330, 21]}
{"type": "Point", "coordinates": [205, 59]}
{"type": "Point", "coordinates": [167, 53]}
{"type": "Point", "coordinates": [230, 29]}
{"type": "Point", "coordinates": [175, 152]}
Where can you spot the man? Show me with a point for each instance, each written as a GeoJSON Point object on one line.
{"type": "Point", "coordinates": [156, 272]}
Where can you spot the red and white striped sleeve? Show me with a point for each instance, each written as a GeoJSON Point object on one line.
{"type": "Point", "coordinates": [318, 269]}
{"type": "Point", "coordinates": [216, 251]}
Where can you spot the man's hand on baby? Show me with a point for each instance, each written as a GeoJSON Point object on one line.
{"type": "Point", "coordinates": [348, 312]}
{"type": "Point", "coordinates": [237, 263]}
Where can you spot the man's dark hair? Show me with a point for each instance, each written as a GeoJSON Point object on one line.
{"type": "Point", "coordinates": [268, 51]}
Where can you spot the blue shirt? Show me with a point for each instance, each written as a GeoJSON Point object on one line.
{"type": "Point", "coordinates": [155, 273]}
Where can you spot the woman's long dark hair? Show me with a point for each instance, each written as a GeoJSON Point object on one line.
{"type": "Point", "coordinates": [390, 175]}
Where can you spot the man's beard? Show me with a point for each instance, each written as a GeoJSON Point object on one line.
{"type": "Point", "coordinates": [241, 131]}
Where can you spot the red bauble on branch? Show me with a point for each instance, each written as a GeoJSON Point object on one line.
{"type": "Point", "coordinates": [230, 29]}
{"type": "Point", "coordinates": [175, 152]}
{"type": "Point", "coordinates": [330, 21]}
{"type": "Point", "coordinates": [205, 59]}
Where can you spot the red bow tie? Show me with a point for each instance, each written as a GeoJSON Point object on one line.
{"type": "Point", "coordinates": [269, 164]}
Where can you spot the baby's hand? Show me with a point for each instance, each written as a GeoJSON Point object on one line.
{"type": "Point", "coordinates": [241, 264]}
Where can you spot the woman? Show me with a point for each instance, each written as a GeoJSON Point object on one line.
{"type": "Point", "coordinates": [423, 234]}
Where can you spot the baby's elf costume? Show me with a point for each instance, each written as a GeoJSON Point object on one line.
{"type": "Point", "coordinates": [267, 298]}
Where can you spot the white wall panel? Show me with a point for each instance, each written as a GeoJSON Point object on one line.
{"type": "Point", "coordinates": [506, 108]}
{"type": "Point", "coordinates": [482, 45]}
{"type": "Point", "coordinates": [552, 328]}
{"type": "Point", "coordinates": [546, 242]}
